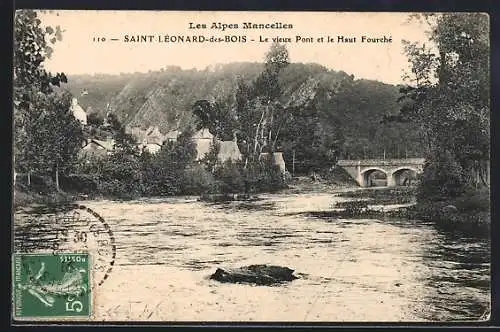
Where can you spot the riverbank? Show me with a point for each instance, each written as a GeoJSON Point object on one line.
{"type": "Point", "coordinates": [468, 214]}
{"type": "Point", "coordinates": [23, 198]}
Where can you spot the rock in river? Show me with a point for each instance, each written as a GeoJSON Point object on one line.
{"type": "Point", "coordinates": [256, 274]}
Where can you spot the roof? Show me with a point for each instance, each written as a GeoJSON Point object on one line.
{"type": "Point", "coordinates": [151, 147]}
{"type": "Point", "coordinates": [172, 134]}
{"type": "Point", "coordinates": [151, 135]}
{"type": "Point", "coordinates": [78, 111]}
{"type": "Point", "coordinates": [106, 145]}
{"type": "Point", "coordinates": [229, 150]}
{"type": "Point", "coordinates": [96, 147]}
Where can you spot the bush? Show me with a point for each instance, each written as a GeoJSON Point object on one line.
{"type": "Point", "coordinates": [264, 176]}
{"type": "Point", "coordinates": [442, 178]}
{"type": "Point", "coordinates": [164, 174]}
{"type": "Point", "coordinates": [197, 180]}
{"type": "Point", "coordinates": [120, 176]}
{"type": "Point", "coordinates": [233, 177]}
{"type": "Point", "coordinates": [230, 178]}
{"type": "Point", "coordinates": [473, 201]}
{"type": "Point", "coordinates": [158, 179]}
{"type": "Point", "coordinates": [80, 183]}
{"type": "Point", "coordinates": [355, 208]}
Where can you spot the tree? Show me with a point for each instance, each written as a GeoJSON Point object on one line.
{"type": "Point", "coordinates": [59, 135]}
{"type": "Point", "coordinates": [163, 173]}
{"type": "Point", "coordinates": [442, 176]}
{"type": "Point", "coordinates": [31, 81]}
{"type": "Point", "coordinates": [268, 90]}
{"type": "Point", "coordinates": [95, 119]}
{"type": "Point", "coordinates": [211, 158]}
{"type": "Point", "coordinates": [255, 117]}
{"type": "Point", "coordinates": [258, 109]}
{"type": "Point", "coordinates": [449, 95]}
{"type": "Point", "coordinates": [246, 118]}
{"type": "Point", "coordinates": [216, 116]}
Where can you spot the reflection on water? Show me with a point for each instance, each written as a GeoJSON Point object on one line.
{"type": "Point", "coordinates": [406, 269]}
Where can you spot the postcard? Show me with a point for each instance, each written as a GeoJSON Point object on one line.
{"type": "Point", "coordinates": [223, 166]}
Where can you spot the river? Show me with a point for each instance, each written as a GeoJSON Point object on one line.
{"type": "Point", "coordinates": [349, 269]}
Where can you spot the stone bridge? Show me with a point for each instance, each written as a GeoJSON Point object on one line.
{"type": "Point", "coordinates": [360, 170]}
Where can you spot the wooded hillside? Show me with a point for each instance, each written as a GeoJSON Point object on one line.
{"type": "Point", "coordinates": [352, 108]}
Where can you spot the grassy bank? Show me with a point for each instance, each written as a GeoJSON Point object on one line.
{"type": "Point", "coordinates": [24, 198]}
{"type": "Point", "coordinates": [468, 214]}
{"type": "Point", "coordinates": [380, 196]}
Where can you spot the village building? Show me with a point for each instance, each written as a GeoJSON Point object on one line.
{"type": "Point", "coordinates": [96, 148]}
{"type": "Point", "coordinates": [172, 135]}
{"type": "Point", "coordinates": [276, 158]}
{"type": "Point", "coordinates": [203, 140]}
{"type": "Point", "coordinates": [154, 135]}
{"type": "Point", "coordinates": [78, 112]}
{"type": "Point", "coordinates": [228, 149]}
{"type": "Point", "coordinates": [151, 139]}
{"type": "Point", "coordinates": [150, 147]}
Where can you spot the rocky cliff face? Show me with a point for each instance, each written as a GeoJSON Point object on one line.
{"type": "Point", "coordinates": [165, 98]}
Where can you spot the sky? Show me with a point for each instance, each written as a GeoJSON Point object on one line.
{"type": "Point", "coordinates": [79, 52]}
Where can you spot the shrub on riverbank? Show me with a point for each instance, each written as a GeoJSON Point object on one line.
{"type": "Point", "coordinates": [397, 195]}
{"type": "Point", "coordinates": [263, 176]}
{"type": "Point", "coordinates": [124, 176]}
{"type": "Point", "coordinates": [468, 213]}
{"type": "Point", "coordinates": [196, 180]}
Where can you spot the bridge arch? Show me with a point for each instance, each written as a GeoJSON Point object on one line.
{"type": "Point", "coordinates": [360, 170]}
{"type": "Point", "coordinates": [365, 175]}
{"type": "Point", "coordinates": [396, 176]}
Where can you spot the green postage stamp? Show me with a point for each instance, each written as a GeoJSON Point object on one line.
{"type": "Point", "coordinates": [51, 285]}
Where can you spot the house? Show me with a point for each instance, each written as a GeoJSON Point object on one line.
{"type": "Point", "coordinates": [203, 140]}
{"type": "Point", "coordinates": [154, 135]}
{"type": "Point", "coordinates": [172, 135]}
{"type": "Point", "coordinates": [228, 149]}
{"type": "Point", "coordinates": [151, 139]}
{"type": "Point", "coordinates": [151, 134]}
{"type": "Point", "coordinates": [150, 147]}
{"type": "Point", "coordinates": [78, 112]}
{"type": "Point", "coordinates": [97, 148]}
{"type": "Point", "coordinates": [138, 133]}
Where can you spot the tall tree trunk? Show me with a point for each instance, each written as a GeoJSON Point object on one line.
{"type": "Point", "coordinates": [256, 140]}
{"type": "Point", "coordinates": [276, 137]}
{"type": "Point", "coordinates": [442, 68]}
{"type": "Point", "coordinates": [57, 177]}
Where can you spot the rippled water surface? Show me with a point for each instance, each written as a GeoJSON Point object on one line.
{"type": "Point", "coordinates": [349, 269]}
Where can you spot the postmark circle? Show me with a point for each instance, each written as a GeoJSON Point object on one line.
{"type": "Point", "coordinates": [69, 228]}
